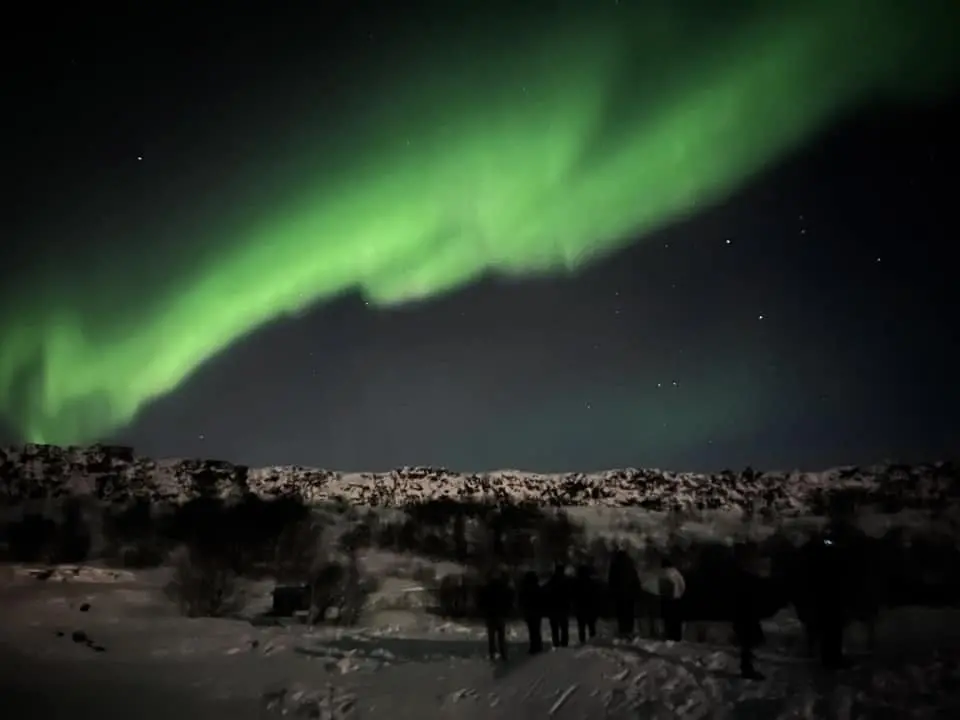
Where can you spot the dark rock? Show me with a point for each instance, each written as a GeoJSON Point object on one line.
{"type": "Point", "coordinates": [116, 478]}
{"type": "Point", "coordinates": [289, 599]}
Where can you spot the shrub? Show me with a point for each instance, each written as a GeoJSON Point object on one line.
{"type": "Point", "coordinates": [37, 538]}
{"type": "Point", "coordinates": [358, 537]}
{"type": "Point", "coordinates": [456, 596]}
{"type": "Point", "coordinates": [474, 533]}
{"type": "Point", "coordinates": [73, 538]}
{"type": "Point", "coordinates": [296, 551]}
{"type": "Point", "coordinates": [338, 591]}
{"type": "Point", "coordinates": [245, 535]}
{"type": "Point", "coordinates": [137, 556]}
{"type": "Point", "coordinates": [424, 574]}
{"type": "Point", "coordinates": [557, 537]}
{"type": "Point", "coordinates": [132, 538]}
{"type": "Point", "coordinates": [29, 539]}
{"type": "Point", "coordinates": [202, 584]}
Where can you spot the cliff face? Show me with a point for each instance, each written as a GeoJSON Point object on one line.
{"type": "Point", "coordinates": [115, 475]}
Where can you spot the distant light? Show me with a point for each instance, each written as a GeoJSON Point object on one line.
{"type": "Point", "coordinates": [139, 157]}
{"type": "Point", "coordinates": [728, 241]}
{"type": "Point", "coordinates": [759, 317]}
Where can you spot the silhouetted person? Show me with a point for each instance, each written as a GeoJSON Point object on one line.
{"type": "Point", "coordinates": [531, 606]}
{"type": "Point", "coordinates": [624, 584]}
{"type": "Point", "coordinates": [749, 589]}
{"type": "Point", "coordinates": [585, 603]}
{"type": "Point", "coordinates": [672, 587]}
{"type": "Point", "coordinates": [830, 577]}
{"type": "Point", "coordinates": [495, 600]}
{"type": "Point", "coordinates": [557, 592]}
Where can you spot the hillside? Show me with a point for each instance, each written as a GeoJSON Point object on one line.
{"type": "Point", "coordinates": [109, 631]}
{"type": "Point", "coordinates": [117, 475]}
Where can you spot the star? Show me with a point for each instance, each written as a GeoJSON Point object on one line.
{"type": "Point", "coordinates": [728, 241]}
{"type": "Point", "coordinates": [139, 157]}
{"type": "Point", "coordinates": [759, 317]}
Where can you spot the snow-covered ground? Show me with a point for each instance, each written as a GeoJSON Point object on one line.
{"type": "Point", "coordinates": [136, 657]}
{"type": "Point", "coordinates": [89, 642]}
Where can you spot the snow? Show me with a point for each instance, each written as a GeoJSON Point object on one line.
{"type": "Point", "coordinates": [117, 475]}
{"type": "Point", "coordinates": [405, 663]}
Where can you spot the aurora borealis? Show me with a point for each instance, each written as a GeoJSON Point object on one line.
{"type": "Point", "coordinates": [525, 148]}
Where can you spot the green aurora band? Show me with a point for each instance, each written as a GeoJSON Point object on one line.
{"type": "Point", "coordinates": [520, 155]}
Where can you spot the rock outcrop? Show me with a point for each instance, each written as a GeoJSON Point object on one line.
{"type": "Point", "coordinates": [115, 475]}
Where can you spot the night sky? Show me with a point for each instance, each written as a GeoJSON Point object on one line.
{"type": "Point", "coordinates": [576, 236]}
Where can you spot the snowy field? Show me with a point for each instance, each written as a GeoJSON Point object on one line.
{"type": "Point", "coordinates": [96, 643]}
{"type": "Point", "coordinates": [135, 657]}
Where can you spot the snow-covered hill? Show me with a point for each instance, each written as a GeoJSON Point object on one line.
{"type": "Point", "coordinates": [112, 639]}
{"type": "Point", "coordinates": [115, 474]}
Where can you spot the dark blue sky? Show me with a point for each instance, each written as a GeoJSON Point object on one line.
{"type": "Point", "coordinates": [810, 320]}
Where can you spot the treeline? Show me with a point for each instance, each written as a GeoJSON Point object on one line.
{"type": "Point", "coordinates": [213, 543]}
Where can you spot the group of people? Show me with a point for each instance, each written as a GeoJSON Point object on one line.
{"type": "Point", "coordinates": [554, 600]}
{"type": "Point", "coordinates": [749, 598]}
{"type": "Point", "coordinates": [580, 596]}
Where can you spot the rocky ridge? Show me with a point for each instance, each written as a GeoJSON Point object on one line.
{"type": "Point", "coordinates": [114, 474]}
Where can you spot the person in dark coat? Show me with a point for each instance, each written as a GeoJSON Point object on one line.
{"type": "Point", "coordinates": [531, 606]}
{"type": "Point", "coordinates": [749, 589]}
{"type": "Point", "coordinates": [671, 586]}
{"type": "Point", "coordinates": [624, 584]}
{"type": "Point", "coordinates": [495, 601]}
{"type": "Point", "coordinates": [830, 576]}
{"type": "Point", "coordinates": [557, 592]}
{"type": "Point", "coordinates": [585, 603]}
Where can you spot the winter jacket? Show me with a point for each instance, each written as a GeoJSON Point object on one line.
{"type": "Point", "coordinates": [671, 583]}
{"type": "Point", "coordinates": [495, 599]}
{"type": "Point", "coordinates": [557, 593]}
{"type": "Point", "coordinates": [531, 596]}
